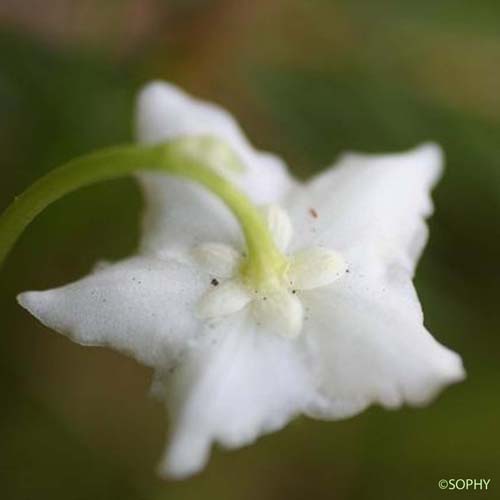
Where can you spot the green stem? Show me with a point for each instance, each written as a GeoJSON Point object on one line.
{"type": "Point", "coordinates": [264, 259]}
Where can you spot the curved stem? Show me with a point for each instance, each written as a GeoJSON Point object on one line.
{"type": "Point", "coordinates": [171, 158]}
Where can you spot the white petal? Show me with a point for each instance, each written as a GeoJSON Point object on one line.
{"type": "Point", "coordinates": [371, 347]}
{"type": "Point", "coordinates": [315, 267]}
{"type": "Point", "coordinates": [140, 306]}
{"type": "Point", "coordinates": [367, 329]}
{"type": "Point", "coordinates": [218, 259]}
{"type": "Point", "coordinates": [279, 225]}
{"type": "Point", "coordinates": [180, 215]}
{"type": "Point", "coordinates": [279, 313]}
{"type": "Point", "coordinates": [165, 112]}
{"type": "Point", "coordinates": [227, 298]}
{"type": "Point", "coordinates": [239, 385]}
{"type": "Point", "coordinates": [370, 208]}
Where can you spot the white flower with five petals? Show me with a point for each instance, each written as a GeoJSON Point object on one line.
{"type": "Point", "coordinates": [340, 327]}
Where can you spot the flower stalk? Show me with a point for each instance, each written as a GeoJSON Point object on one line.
{"type": "Point", "coordinates": [264, 260]}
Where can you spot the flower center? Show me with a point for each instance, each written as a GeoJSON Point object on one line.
{"type": "Point", "coordinates": [271, 292]}
{"type": "Point", "coordinates": [266, 277]}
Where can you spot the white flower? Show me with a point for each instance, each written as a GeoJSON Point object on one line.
{"type": "Point", "coordinates": [340, 329]}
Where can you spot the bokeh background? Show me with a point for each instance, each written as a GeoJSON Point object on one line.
{"type": "Point", "coordinates": [306, 79]}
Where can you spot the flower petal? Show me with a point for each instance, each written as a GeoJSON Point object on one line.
{"type": "Point", "coordinates": [180, 215]}
{"type": "Point", "coordinates": [370, 347]}
{"type": "Point", "coordinates": [371, 208]}
{"type": "Point", "coordinates": [218, 259]}
{"type": "Point", "coordinates": [141, 306]}
{"type": "Point", "coordinates": [315, 267]}
{"type": "Point", "coordinates": [278, 313]}
{"type": "Point", "coordinates": [241, 384]}
{"type": "Point", "coordinates": [280, 226]}
{"type": "Point", "coordinates": [166, 112]}
{"type": "Point", "coordinates": [227, 298]}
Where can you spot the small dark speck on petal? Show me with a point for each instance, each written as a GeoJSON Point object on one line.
{"type": "Point", "coordinates": [214, 282]}
{"type": "Point", "coordinates": [313, 213]}
{"type": "Point", "coordinates": [294, 291]}
{"type": "Point", "coordinates": [347, 270]}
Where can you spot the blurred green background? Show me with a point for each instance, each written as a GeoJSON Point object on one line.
{"type": "Point", "coordinates": [306, 79]}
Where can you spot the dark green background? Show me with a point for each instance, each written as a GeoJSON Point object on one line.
{"type": "Point", "coordinates": [307, 79]}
